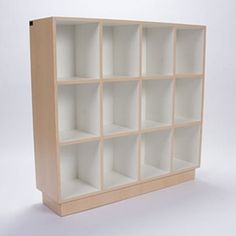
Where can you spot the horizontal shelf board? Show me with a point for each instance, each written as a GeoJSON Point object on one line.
{"type": "Point", "coordinates": [149, 171]}
{"type": "Point", "coordinates": [156, 77]}
{"type": "Point", "coordinates": [76, 80]}
{"type": "Point", "coordinates": [179, 164]}
{"type": "Point", "coordinates": [189, 76]}
{"type": "Point", "coordinates": [76, 187]}
{"type": "Point", "coordinates": [149, 124]}
{"type": "Point", "coordinates": [182, 122]}
{"type": "Point", "coordinates": [120, 78]}
{"type": "Point", "coordinates": [114, 129]}
{"type": "Point", "coordinates": [113, 179]}
{"type": "Point", "coordinates": [73, 135]}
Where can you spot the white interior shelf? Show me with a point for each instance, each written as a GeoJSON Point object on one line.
{"type": "Point", "coordinates": [155, 154]}
{"type": "Point", "coordinates": [120, 107]}
{"type": "Point", "coordinates": [189, 51]}
{"type": "Point", "coordinates": [78, 111]}
{"type": "Point", "coordinates": [77, 51]}
{"type": "Point", "coordinates": [186, 147]}
{"type": "Point", "coordinates": [188, 99]}
{"type": "Point", "coordinates": [157, 97]}
{"type": "Point", "coordinates": [120, 161]}
{"type": "Point", "coordinates": [80, 169]}
{"type": "Point", "coordinates": [120, 50]}
{"type": "Point", "coordinates": [157, 51]}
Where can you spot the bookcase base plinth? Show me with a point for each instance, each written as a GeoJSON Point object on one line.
{"type": "Point", "coordinates": [110, 196]}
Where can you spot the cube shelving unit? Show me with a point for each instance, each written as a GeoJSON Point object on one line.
{"type": "Point", "coordinates": [117, 108]}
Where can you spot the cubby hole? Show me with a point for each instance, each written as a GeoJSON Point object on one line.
{"type": "Point", "coordinates": [120, 161]}
{"type": "Point", "coordinates": [80, 169]}
{"type": "Point", "coordinates": [78, 111]}
{"type": "Point", "coordinates": [120, 107]}
{"type": "Point", "coordinates": [120, 50]}
{"type": "Point", "coordinates": [157, 96]}
{"type": "Point", "coordinates": [77, 51]}
{"type": "Point", "coordinates": [157, 51]}
{"type": "Point", "coordinates": [189, 51]}
{"type": "Point", "coordinates": [155, 154]}
{"type": "Point", "coordinates": [188, 99]}
{"type": "Point", "coordinates": [186, 147]}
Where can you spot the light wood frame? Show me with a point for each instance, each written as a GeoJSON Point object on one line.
{"type": "Point", "coordinates": [46, 88]}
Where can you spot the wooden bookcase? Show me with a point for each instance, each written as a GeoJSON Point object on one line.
{"type": "Point", "coordinates": [117, 108]}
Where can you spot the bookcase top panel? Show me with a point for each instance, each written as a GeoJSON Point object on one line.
{"type": "Point", "coordinates": [77, 20]}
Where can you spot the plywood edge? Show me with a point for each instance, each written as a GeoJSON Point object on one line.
{"type": "Point", "coordinates": [118, 194]}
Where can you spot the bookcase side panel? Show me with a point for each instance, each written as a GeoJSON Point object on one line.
{"type": "Point", "coordinates": [44, 106]}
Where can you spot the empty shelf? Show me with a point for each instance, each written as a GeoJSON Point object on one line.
{"type": "Point", "coordinates": [74, 134]}
{"type": "Point", "coordinates": [181, 120]}
{"type": "Point", "coordinates": [149, 171]}
{"type": "Point", "coordinates": [114, 178]}
{"type": "Point", "coordinates": [180, 164]}
{"type": "Point", "coordinates": [76, 187]}
{"type": "Point", "coordinates": [152, 124]}
{"type": "Point", "coordinates": [113, 128]}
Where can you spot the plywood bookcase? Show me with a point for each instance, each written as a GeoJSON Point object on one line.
{"type": "Point", "coordinates": [117, 108]}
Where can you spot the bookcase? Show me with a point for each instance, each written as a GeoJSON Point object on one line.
{"type": "Point", "coordinates": [117, 108]}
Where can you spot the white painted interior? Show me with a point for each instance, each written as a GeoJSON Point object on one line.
{"type": "Point", "coordinates": [156, 103]}
{"type": "Point", "coordinates": [186, 147]}
{"type": "Point", "coordinates": [120, 161]}
{"type": "Point", "coordinates": [77, 51]}
{"type": "Point", "coordinates": [155, 154]}
{"type": "Point", "coordinates": [189, 51]}
{"type": "Point", "coordinates": [120, 50]}
{"type": "Point", "coordinates": [120, 106]}
{"type": "Point", "coordinates": [157, 51]}
{"type": "Point", "coordinates": [188, 98]}
{"type": "Point", "coordinates": [79, 169]}
{"type": "Point", "coordinates": [78, 111]}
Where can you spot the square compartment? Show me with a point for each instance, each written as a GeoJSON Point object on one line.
{"type": "Point", "coordinates": [120, 108]}
{"type": "Point", "coordinates": [189, 51]}
{"type": "Point", "coordinates": [156, 103]}
{"type": "Point", "coordinates": [80, 169]}
{"type": "Point", "coordinates": [77, 51]}
{"type": "Point", "coordinates": [155, 154]}
{"type": "Point", "coordinates": [120, 50]}
{"type": "Point", "coordinates": [157, 51]}
{"type": "Point", "coordinates": [78, 111]}
{"type": "Point", "coordinates": [120, 161]}
{"type": "Point", "coordinates": [188, 99]}
{"type": "Point", "coordinates": [186, 147]}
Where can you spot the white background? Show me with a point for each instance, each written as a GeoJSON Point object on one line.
{"type": "Point", "coordinates": [206, 206]}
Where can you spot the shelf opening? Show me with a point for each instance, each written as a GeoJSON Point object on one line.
{"type": "Point", "coordinates": [120, 107]}
{"type": "Point", "coordinates": [186, 147]}
{"type": "Point", "coordinates": [156, 103]}
{"type": "Point", "coordinates": [77, 51]}
{"type": "Point", "coordinates": [189, 51]}
{"type": "Point", "coordinates": [80, 170]}
{"type": "Point", "coordinates": [155, 154]}
{"type": "Point", "coordinates": [120, 51]}
{"type": "Point", "coordinates": [188, 99]}
{"type": "Point", "coordinates": [78, 111]}
{"type": "Point", "coordinates": [157, 51]}
{"type": "Point", "coordinates": [120, 161]}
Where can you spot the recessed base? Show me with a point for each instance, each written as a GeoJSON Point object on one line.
{"type": "Point", "coordinates": [106, 197]}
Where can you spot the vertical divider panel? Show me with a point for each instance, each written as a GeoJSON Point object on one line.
{"type": "Point", "coordinates": [101, 102]}
{"type": "Point", "coordinates": [140, 100]}
{"type": "Point", "coordinates": [173, 100]}
{"type": "Point", "coordinates": [202, 93]}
